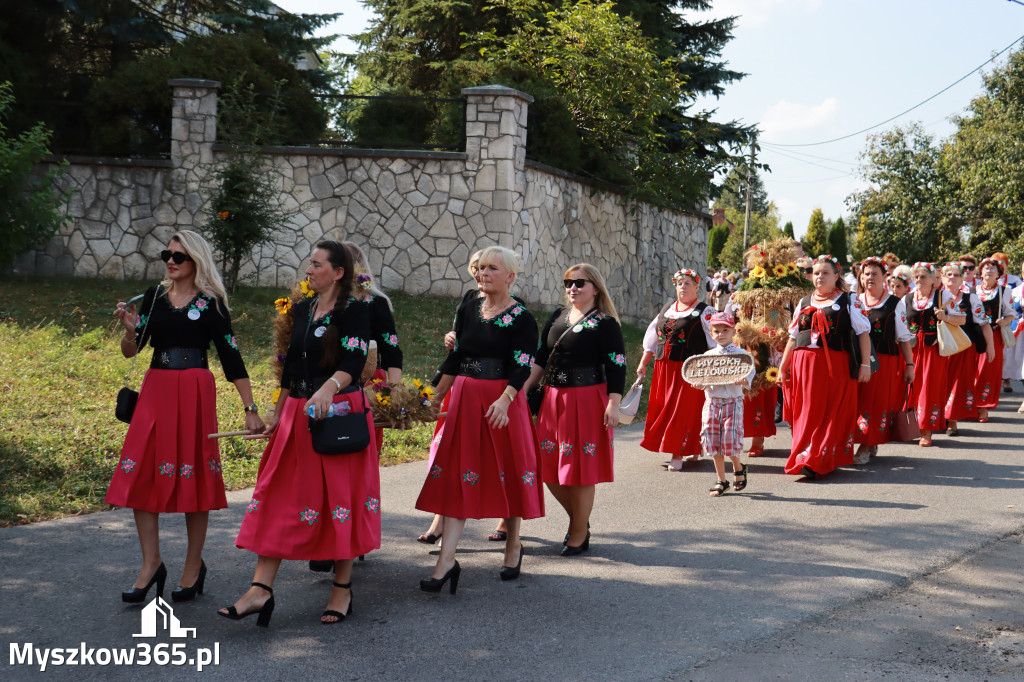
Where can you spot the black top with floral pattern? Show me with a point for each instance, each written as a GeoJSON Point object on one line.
{"type": "Point", "coordinates": [383, 331]}
{"type": "Point", "coordinates": [510, 336]}
{"type": "Point", "coordinates": [305, 350]}
{"type": "Point", "coordinates": [596, 341]}
{"type": "Point", "coordinates": [201, 320]}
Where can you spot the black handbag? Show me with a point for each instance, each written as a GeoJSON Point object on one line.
{"type": "Point", "coordinates": [124, 407]}
{"type": "Point", "coordinates": [342, 434]}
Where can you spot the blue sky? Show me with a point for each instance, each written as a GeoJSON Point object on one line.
{"type": "Point", "coordinates": [820, 69]}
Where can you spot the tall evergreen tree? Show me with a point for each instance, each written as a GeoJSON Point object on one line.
{"type": "Point", "coordinates": [734, 191]}
{"type": "Point", "coordinates": [787, 229]}
{"type": "Point", "coordinates": [837, 244]}
{"type": "Point", "coordinates": [816, 241]}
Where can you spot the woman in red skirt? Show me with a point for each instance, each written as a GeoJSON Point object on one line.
{"type": "Point", "coordinates": [485, 464]}
{"type": "Point", "coordinates": [583, 361]}
{"type": "Point", "coordinates": [880, 398]}
{"type": "Point", "coordinates": [815, 371]}
{"type": "Point", "coordinates": [925, 308]}
{"type": "Point", "coordinates": [998, 302]}
{"type": "Point", "coordinates": [680, 330]}
{"type": "Point", "coordinates": [307, 505]}
{"type": "Point", "coordinates": [965, 311]}
{"type": "Point", "coordinates": [167, 463]}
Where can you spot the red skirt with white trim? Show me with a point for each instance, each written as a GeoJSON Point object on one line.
{"type": "Point", "coordinates": [990, 376]}
{"type": "Point", "coordinates": [167, 463]}
{"type": "Point", "coordinates": [930, 386]}
{"type": "Point", "coordinates": [480, 472]}
{"type": "Point", "coordinates": [759, 413]}
{"type": "Point", "coordinates": [575, 447]}
{"type": "Point", "coordinates": [962, 375]}
{"type": "Point", "coordinates": [823, 409]}
{"type": "Point", "coordinates": [312, 506]}
{"type": "Point", "coordinates": [673, 412]}
{"type": "Point", "coordinates": [878, 400]}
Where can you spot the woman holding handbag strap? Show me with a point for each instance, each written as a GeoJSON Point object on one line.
{"type": "Point", "coordinates": [925, 309]}
{"type": "Point", "coordinates": [583, 361]}
{"type": "Point", "coordinates": [965, 311]}
{"type": "Point", "coordinates": [167, 463]}
{"type": "Point", "coordinates": [998, 302]}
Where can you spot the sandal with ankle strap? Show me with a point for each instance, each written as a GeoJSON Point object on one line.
{"type": "Point", "coordinates": [740, 485]}
{"type": "Point", "coordinates": [338, 614]}
{"type": "Point", "coordinates": [264, 611]}
{"type": "Point", "coordinates": [718, 489]}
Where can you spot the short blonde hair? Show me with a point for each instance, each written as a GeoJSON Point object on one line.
{"type": "Point", "coordinates": [603, 301]}
{"type": "Point", "coordinates": [952, 267]}
{"type": "Point", "coordinates": [474, 260]}
{"type": "Point", "coordinates": [507, 257]}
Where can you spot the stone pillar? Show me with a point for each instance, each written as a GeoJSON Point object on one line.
{"type": "Point", "coordinates": [193, 133]}
{"type": "Point", "coordinates": [496, 159]}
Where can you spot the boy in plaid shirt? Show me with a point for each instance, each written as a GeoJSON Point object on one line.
{"type": "Point", "coordinates": [721, 431]}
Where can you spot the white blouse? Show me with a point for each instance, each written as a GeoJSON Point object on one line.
{"type": "Point", "coordinates": [651, 335]}
{"type": "Point", "coordinates": [903, 334]}
{"type": "Point", "coordinates": [977, 309]}
{"type": "Point", "coordinates": [858, 320]}
{"type": "Point", "coordinates": [1006, 307]}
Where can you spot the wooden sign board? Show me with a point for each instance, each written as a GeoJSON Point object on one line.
{"type": "Point", "coordinates": [714, 370]}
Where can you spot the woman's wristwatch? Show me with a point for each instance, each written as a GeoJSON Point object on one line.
{"type": "Point", "coordinates": [254, 408]}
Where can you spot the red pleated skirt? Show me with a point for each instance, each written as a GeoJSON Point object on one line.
{"type": "Point", "coordinates": [480, 472]}
{"type": "Point", "coordinates": [759, 413]}
{"type": "Point", "coordinates": [575, 447]}
{"type": "Point", "coordinates": [823, 409]}
{"type": "Point", "coordinates": [673, 412]}
{"type": "Point", "coordinates": [930, 386]}
{"type": "Point", "coordinates": [878, 400]}
{"type": "Point", "coordinates": [312, 506]}
{"type": "Point", "coordinates": [167, 463]}
{"type": "Point", "coordinates": [990, 376]}
{"type": "Point", "coordinates": [962, 375]}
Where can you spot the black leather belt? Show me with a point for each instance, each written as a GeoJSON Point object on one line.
{"type": "Point", "coordinates": [571, 377]}
{"type": "Point", "coordinates": [483, 368]}
{"type": "Point", "coordinates": [179, 358]}
{"type": "Point", "coordinates": [305, 388]}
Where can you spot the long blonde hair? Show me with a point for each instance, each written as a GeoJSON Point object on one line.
{"type": "Point", "coordinates": [362, 266]}
{"type": "Point", "coordinates": [208, 279]}
{"type": "Point", "coordinates": [603, 301]}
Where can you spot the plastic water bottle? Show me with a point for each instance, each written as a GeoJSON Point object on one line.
{"type": "Point", "coordinates": [334, 410]}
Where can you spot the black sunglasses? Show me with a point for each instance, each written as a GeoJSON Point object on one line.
{"type": "Point", "coordinates": [968, 267]}
{"type": "Point", "coordinates": [178, 257]}
{"type": "Point", "coordinates": [807, 271]}
{"type": "Point", "coordinates": [579, 283]}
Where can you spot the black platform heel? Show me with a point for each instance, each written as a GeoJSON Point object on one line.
{"type": "Point", "coordinates": [338, 614]}
{"type": "Point", "coordinates": [435, 584]}
{"type": "Point", "coordinates": [512, 572]}
{"type": "Point", "coordinates": [137, 595]}
{"type": "Point", "coordinates": [189, 593]}
{"type": "Point", "coordinates": [265, 611]}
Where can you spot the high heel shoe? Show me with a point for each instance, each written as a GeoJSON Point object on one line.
{"type": "Point", "coordinates": [189, 593]}
{"type": "Point", "coordinates": [510, 573]}
{"type": "Point", "coordinates": [265, 611]}
{"type": "Point", "coordinates": [435, 584]}
{"type": "Point", "coordinates": [137, 595]}
{"type": "Point", "coordinates": [569, 550]}
{"type": "Point", "coordinates": [565, 541]}
{"type": "Point", "coordinates": [338, 614]}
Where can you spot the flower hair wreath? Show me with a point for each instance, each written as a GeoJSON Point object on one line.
{"type": "Point", "coordinates": [901, 277]}
{"type": "Point", "coordinates": [930, 267]}
{"type": "Point", "coordinates": [831, 259]}
{"type": "Point", "coordinates": [681, 273]}
{"type": "Point", "coordinates": [874, 260]}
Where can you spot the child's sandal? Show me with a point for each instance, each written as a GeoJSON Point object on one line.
{"type": "Point", "coordinates": [719, 489]}
{"type": "Point", "coordinates": [740, 485]}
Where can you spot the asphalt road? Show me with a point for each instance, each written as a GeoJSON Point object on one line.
{"type": "Point", "coordinates": [867, 574]}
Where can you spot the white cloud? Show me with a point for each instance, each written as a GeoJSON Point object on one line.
{"type": "Point", "coordinates": [785, 116]}
{"type": "Point", "coordinates": [756, 13]}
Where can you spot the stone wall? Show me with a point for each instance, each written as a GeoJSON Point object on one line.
{"type": "Point", "coordinates": [419, 214]}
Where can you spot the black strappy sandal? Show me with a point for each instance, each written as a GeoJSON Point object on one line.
{"type": "Point", "coordinates": [740, 485]}
{"type": "Point", "coordinates": [338, 614]}
{"type": "Point", "coordinates": [718, 489]}
{"type": "Point", "coordinates": [264, 611]}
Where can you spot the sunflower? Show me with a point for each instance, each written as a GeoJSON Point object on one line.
{"type": "Point", "coordinates": [780, 270]}
{"type": "Point", "coordinates": [306, 291]}
{"type": "Point", "coordinates": [283, 305]}
{"type": "Point", "coordinates": [383, 399]}
{"type": "Point", "coordinates": [758, 272]}
{"type": "Point", "coordinates": [427, 392]}
{"type": "Point", "coordinates": [417, 384]}
{"type": "Point", "coordinates": [792, 268]}
{"type": "Point", "coordinates": [772, 374]}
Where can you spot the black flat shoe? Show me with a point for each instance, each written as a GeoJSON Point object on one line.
{"type": "Point", "coordinates": [429, 538]}
{"type": "Point", "coordinates": [808, 473]}
{"type": "Point", "coordinates": [321, 565]}
{"type": "Point", "coordinates": [264, 611]}
{"type": "Point", "coordinates": [338, 614]}
{"type": "Point", "coordinates": [569, 550]}
{"type": "Point", "coordinates": [435, 584]}
{"type": "Point", "coordinates": [137, 595]}
{"type": "Point", "coordinates": [509, 573]}
{"type": "Point", "coordinates": [189, 593]}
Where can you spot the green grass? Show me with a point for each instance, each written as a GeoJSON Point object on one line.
{"type": "Point", "coordinates": [60, 369]}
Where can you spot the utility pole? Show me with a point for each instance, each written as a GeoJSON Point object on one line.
{"type": "Point", "coordinates": [750, 174]}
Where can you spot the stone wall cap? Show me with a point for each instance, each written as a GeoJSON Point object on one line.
{"type": "Point", "coordinates": [194, 83]}
{"type": "Point", "coordinates": [353, 151]}
{"type": "Point", "coordinates": [497, 90]}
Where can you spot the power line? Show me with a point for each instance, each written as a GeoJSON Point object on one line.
{"type": "Point", "coordinates": [902, 113]}
{"type": "Point", "coordinates": [770, 147]}
{"type": "Point", "coordinates": [812, 163]}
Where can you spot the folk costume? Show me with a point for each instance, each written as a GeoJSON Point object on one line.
{"type": "Point", "coordinates": [167, 462]}
{"type": "Point", "coordinates": [1013, 358]}
{"type": "Point", "coordinates": [307, 505]}
{"type": "Point", "coordinates": [674, 407]}
{"type": "Point", "coordinates": [822, 397]}
{"type": "Point", "coordinates": [998, 303]}
{"type": "Point", "coordinates": [721, 428]}
{"type": "Point", "coordinates": [962, 372]}
{"type": "Point", "coordinates": [931, 383]}
{"type": "Point", "coordinates": [583, 363]}
{"type": "Point", "coordinates": [478, 471]}
{"type": "Point", "coordinates": [880, 398]}
{"type": "Point", "coordinates": [384, 334]}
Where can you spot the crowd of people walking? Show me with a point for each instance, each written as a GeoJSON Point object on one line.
{"type": "Point", "coordinates": [855, 357]}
